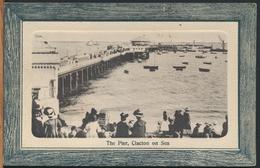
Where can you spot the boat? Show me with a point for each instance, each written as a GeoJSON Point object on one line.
{"type": "Point", "coordinates": [179, 68]}
{"type": "Point", "coordinates": [200, 56]}
{"type": "Point", "coordinates": [146, 66]}
{"type": "Point", "coordinates": [216, 57]}
{"type": "Point", "coordinates": [151, 67]}
{"type": "Point", "coordinates": [209, 63]}
{"type": "Point", "coordinates": [182, 56]}
{"type": "Point", "coordinates": [126, 71]}
{"type": "Point", "coordinates": [186, 63]}
{"type": "Point", "coordinates": [225, 60]}
{"type": "Point", "coordinates": [213, 52]}
{"type": "Point", "coordinates": [204, 69]}
{"type": "Point", "coordinates": [224, 52]}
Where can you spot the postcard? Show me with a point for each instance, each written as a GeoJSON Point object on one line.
{"type": "Point", "coordinates": [129, 85]}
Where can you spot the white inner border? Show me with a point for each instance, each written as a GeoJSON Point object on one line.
{"type": "Point", "coordinates": [230, 141]}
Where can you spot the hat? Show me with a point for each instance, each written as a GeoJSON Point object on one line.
{"type": "Point", "coordinates": [49, 113]}
{"type": "Point", "coordinates": [93, 111]}
{"type": "Point", "coordinates": [123, 115]}
{"type": "Point", "coordinates": [214, 123]}
{"type": "Point", "coordinates": [198, 124]}
{"type": "Point", "coordinates": [186, 109]}
{"type": "Point", "coordinates": [137, 113]}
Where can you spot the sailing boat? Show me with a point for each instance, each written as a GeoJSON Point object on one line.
{"type": "Point", "coordinates": [152, 67]}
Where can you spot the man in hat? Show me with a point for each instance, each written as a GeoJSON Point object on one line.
{"type": "Point", "coordinates": [179, 122]}
{"type": "Point", "coordinates": [139, 127]}
{"type": "Point", "coordinates": [207, 130]}
{"type": "Point", "coordinates": [186, 120]}
{"type": "Point", "coordinates": [122, 128]}
{"type": "Point", "coordinates": [53, 125]}
{"type": "Point", "coordinates": [195, 133]}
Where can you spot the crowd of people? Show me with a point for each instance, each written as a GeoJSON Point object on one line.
{"type": "Point", "coordinates": [181, 125]}
{"type": "Point", "coordinates": [46, 124]}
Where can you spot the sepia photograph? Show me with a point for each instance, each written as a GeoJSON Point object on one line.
{"type": "Point", "coordinates": [135, 81]}
{"type": "Point", "coordinates": [89, 85]}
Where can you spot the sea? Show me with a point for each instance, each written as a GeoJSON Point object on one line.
{"type": "Point", "coordinates": [114, 92]}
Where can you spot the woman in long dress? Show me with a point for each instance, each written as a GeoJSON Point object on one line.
{"type": "Point", "coordinates": [93, 128]}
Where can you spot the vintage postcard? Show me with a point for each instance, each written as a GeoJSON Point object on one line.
{"type": "Point", "coordinates": [129, 85]}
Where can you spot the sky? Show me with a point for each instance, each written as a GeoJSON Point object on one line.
{"type": "Point", "coordinates": [161, 36]}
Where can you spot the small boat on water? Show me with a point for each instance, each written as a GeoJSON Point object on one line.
{"type": "Point", "coordinates": [182, 56]}
{"type": "Point", "coordinates": [200, 56]}
{"type": "Point", "coordinates": [126, 71]}
{"type": "Point", "coordinates": [179, 68]}
{"type": "Point", "coordinates": [209, 63]}
{"type": "Point", "coordinates": [213, 52]}
{"type": "Point", "coordinates": [204, 69]}
{"type": "Point", "coordinates": [216, 57]}
{"type": "Point", "coordinates": [191, 50]}
{"type": "Point", "coordinates": [224, 52]}
{"type": "Point", "coordinates": [185, 63]}
{"type": "Point", "coordinates": [225, 60]}
{"type": "Point", "coordinates": [139, 60]}
{"type": "Point", "coordinates": [151, 67]}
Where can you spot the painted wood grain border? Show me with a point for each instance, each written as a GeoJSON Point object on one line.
{"type": "Point", "coordinates": [1, 83]}
{"type": "Point", "coordinates": [244, 13]}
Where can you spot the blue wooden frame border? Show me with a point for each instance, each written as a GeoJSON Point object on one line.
{"type": "Point", "coordinates": [244, 13]}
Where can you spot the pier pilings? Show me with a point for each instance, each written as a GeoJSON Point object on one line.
{"type": "Point", "coordinates": [72, 82]}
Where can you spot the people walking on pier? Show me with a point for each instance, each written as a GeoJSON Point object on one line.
{"type": "Point", "coordinates": [122, 128]}
{"type": "Point", "coordinates": [139, 127]}
{"type": "Point", "coordinates": [53, 125]}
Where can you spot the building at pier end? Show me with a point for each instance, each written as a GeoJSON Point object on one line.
{"type": "Point", "coordinates": [44, 79]}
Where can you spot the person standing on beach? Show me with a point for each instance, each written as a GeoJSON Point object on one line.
{"type": "Point", "coordinates": [225, 127]}
{"type": "Point", "coordinates": [53, 125]}
{"type": "Point", "coordinates": [139, 127]}
{"type": "Point", "coordinates": [122, 128]}
{"type": "Point", "coordinates": [207, 131]}
{"type": "Point", "coordinates": [186, 120]}
{"type": "Point", "coordinates": [93, 128]}
{"type": "Point", "coordinates": [195, 133]}
{"type": "Point", "coordinates": [179, 122]}
{"type": "Point", "coordinates": [164, 124]}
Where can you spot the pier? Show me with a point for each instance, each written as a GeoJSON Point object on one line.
{"type": "Point", "coordinates": [72, 77]}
